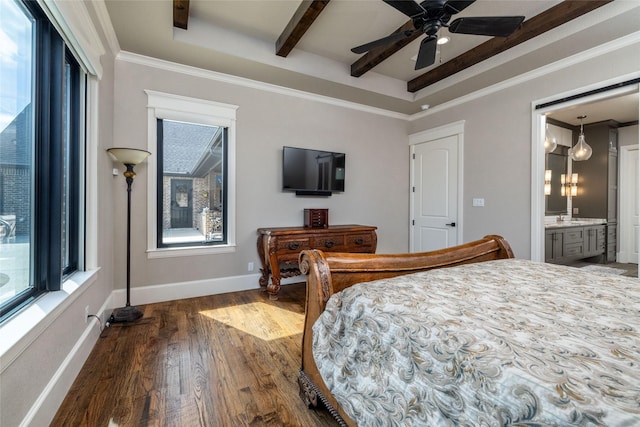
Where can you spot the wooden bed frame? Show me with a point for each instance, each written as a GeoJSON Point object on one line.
{"type": "Point", "coordinates": [328, 273]}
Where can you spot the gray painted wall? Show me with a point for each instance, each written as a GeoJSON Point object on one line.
{"type": "Point", "coordinates": [628, 135]}
{"type": "Point", "coordinates": [377, 159]}
{"type": "Point", "coordinates": [497, 144]}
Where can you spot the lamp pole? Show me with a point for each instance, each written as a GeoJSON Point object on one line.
{"type": "Point", "coordinates": [129, 175]}
{"type": "Point", "coordinates": [129, 157]}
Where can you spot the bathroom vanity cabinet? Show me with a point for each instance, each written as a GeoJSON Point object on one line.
{"type": "Point", "coordinates": [565, 243]}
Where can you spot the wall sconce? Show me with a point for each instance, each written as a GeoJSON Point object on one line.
{"type": "Point", "coordinates": [569, 187]}
{"type": "Point", "coordinates": [547, 182]}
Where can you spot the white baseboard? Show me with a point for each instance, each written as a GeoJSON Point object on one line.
{"type": "Point", "coordinates": [627, 257]}
{"type": "Point", "coordinates": [47, 404]}
{"type": "Point", "coordinates": [182, 290]}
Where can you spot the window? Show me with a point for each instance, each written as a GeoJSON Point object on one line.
{"type": "Point", "coordinates": [194, 180]}
{"type": "Point", "coordinates": [191, 184]}
{"type": "Point", "coordinates": [40, 135]}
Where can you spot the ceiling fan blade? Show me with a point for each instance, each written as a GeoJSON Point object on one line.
{"type": "Point", "coordinates": [381, 42]}
{"type": "Point", "coordinates": [456, 6]}
{"type": "Point", "coordinates": [501, 26]}
{"type": "Point", "coordinates": [427, 52]}
{"type": "Point", "coordinates": [408, 7]}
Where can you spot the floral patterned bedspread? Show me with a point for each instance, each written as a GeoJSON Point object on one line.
{"type": "Point", "coordinates": [498, 343]}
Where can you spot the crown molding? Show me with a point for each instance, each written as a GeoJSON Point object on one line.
{"type": "Point", "coordinates": [578, 58]}
{"type": "Point", "coordinates": [542, 41]}
{"type": "Point", "coordinates": [100, 9]}
{"type": "Point", "coordinates": [620, 43]}
{"type": "Point", "coordinates": [161, 64]}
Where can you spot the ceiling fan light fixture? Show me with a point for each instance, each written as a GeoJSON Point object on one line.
{"type": "Point", "coordinates": [581, 151]}
{"type": "Point", "coordinates": [431, 15]}
{"type": "Point", "coordinates": [443, 40]}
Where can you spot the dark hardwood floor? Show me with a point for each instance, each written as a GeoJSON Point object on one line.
{"type": "Point", "coordinates": [629, 270]}
{"type": "Point", "coordinates": [221, 360]}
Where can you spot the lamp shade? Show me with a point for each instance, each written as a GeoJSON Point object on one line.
{"type": "Point", "coordinates": [129, 156]}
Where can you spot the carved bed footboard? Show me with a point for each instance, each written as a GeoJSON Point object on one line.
{"type": "Point", "coordinates": [328, 273]}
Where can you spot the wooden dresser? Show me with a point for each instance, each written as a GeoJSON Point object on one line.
{"type": "Point", "coordinates": [279, 248]}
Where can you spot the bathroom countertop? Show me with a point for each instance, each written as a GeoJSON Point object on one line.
{"type": "Point", "coordinates": [575, 222]}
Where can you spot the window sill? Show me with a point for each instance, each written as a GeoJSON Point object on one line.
{"type": "Point", "coordinates": [189, 251]}
{"type": "Point", "coordinates": [18, 332]}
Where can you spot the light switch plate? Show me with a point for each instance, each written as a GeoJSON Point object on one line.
{"type": "Point", "coordinates": [478, 203]}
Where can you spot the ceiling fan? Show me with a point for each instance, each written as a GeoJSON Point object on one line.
{"type": "Point", "coordinates": [431, 15]}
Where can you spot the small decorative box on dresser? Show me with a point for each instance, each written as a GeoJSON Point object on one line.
{"type": "Point", "coordinates": [316, 218]}
{"type": "Point", "coordinates": [279, 248]}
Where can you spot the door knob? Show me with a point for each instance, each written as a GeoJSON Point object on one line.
{"type": "Point", "coordinates": [451, 224]}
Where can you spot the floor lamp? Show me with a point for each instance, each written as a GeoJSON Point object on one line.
{"type": "Point", "coordinates": [130, 157]}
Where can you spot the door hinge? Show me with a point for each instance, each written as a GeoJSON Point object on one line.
{"type": "Point", "coordinates": [413, 189]}
{"type": "Point", "coordinates": [413, 222]}
{"type": "Point", "coordinates": [414, 156]}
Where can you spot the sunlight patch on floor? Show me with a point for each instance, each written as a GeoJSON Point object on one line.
{"type": "Point", "coordinates": [264, 321]}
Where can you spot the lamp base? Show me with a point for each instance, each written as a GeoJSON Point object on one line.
{"type": "Point", "coordinates": [129, 313]}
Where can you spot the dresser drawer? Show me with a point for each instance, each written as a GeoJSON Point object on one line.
{"type": "Point", "coordinates": [280, 247]}
{"type": "Point", "coordinates": [574, 235]}
{"type": "Point", "coordinates": [292, 245]}
{"type": "Point", "coordinates": [358, 242]}
{"type": "Point", "coordinates": [574, 250]}
{"type": "Point", "coordinates": [328, 243]}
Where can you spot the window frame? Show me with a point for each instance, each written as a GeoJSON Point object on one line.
{"type": "Point", "coordinates": [51, 55]}
{"type": "Point", "coordinates": [197, 111]}
{"type": "Point", "coordinates": [77, 128]}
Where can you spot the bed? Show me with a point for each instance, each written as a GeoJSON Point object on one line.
{"type": "Point", "coordinates": [468, 335]}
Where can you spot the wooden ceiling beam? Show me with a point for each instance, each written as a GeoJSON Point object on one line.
{"type": "Point", "coordinates": [180, 13]}
{"type": "Point", "coordinates": [375, 56]}
{"type": "Point", "coordinates": [300, 22]}
{"type": "Point", "coordinates": [541, 23]}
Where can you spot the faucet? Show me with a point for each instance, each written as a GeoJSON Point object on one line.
{"type": "Point", "coordinates": [560, 218]}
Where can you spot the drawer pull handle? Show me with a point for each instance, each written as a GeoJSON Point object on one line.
{"type": "Point", "coordinates": [293, 246]}
{"type": "Point", "coordinates": [329, 243]}
{"type": "Point", "coordinates": [359, 241]}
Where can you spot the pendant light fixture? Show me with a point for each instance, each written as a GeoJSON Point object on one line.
{"type": "Point", "coordinates": [550, 142]}
{"type": "Point", "coordinates": [581, 151]}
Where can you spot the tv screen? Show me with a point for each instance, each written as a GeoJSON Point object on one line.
{"type": "Point", "coordinates": [312, 171]}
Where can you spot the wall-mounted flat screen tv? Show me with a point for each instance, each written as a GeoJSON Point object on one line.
{"type": "Point", "coordinates": [312, 172]}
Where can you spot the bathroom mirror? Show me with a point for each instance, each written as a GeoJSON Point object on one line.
{"type": "Point", "coordinates": [556, 162]}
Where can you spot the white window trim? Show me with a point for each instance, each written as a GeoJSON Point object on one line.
{"type": "Point", "coordinates": [199, 111]}
{"type": "Point", "coordinates": [73, 21]}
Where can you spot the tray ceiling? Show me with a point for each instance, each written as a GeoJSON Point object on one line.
{"type": "Point", "coordinates": [241, 38]}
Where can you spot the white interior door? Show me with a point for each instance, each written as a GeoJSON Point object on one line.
{"type": "Point", "coordinates": [629, 205]}
{"type": "Point", "coordinates": [435, 194]}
